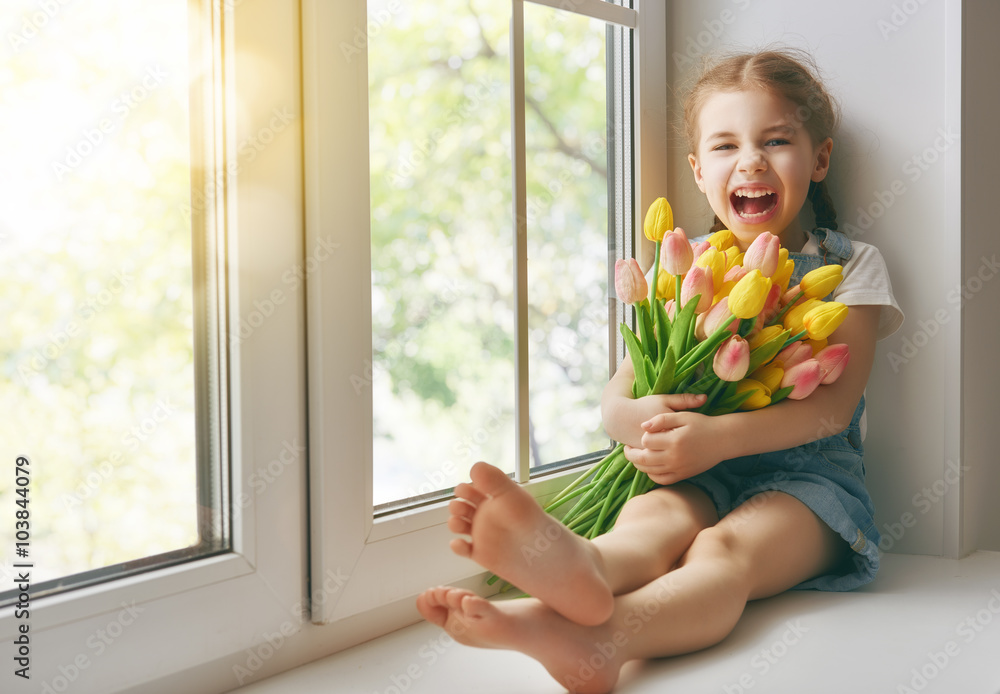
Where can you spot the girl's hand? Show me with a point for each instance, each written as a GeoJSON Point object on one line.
{"type": "Point", "coordinates": [676, 446]}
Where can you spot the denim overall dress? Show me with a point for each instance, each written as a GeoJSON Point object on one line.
{"type": "Point", "coordinates": [827, 475]}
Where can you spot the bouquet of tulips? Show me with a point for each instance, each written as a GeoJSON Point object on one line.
{"type": "Point", "coordinates": [718, 322]}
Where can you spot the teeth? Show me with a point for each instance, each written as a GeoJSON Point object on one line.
{"type": "Point", "coordinates": [752, 192]}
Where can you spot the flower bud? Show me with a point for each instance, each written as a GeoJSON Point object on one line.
{"type": "Point", "coordinates": [748, 296]}
{"type": "Point", "coordinates": [804, 379]}
{"type": "Point", "coordinates": [770, 375]}
{"type": "Point", "coordinates": [763, 254]}
{"type": "Point", "coordinates": [821, 321]}
{"type": "Point", "coordinates": [715, 261]}
{"type": "Point", "coordinates": [630, 283]}
{"type": "Point", "coordinates": [707, 323]}
{"type": "Point", "coordinates": [697, 281]}
{"type": "Point", "coordinates": [666, 286]}
{"type": "Point", "coordinates": [723, 239]}
{"type": "Point", "coordinates": [794, 354]}
{"type": "Point", "coordinates": [821, 281]}
{"type": "Point", "coordinates": [659, 220]}
{"type": "Point", "coordinates": [833, 360]}
{"type": "Point", "coordinates": [795, 316]}
{"type": "Point", "coordinates": [732, 359]}
{"type": "Point", "coordinates": [760, 398]}
{"type": "Point", "coordinates": [676, 255]}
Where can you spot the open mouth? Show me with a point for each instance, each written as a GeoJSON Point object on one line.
{"type": "Point", "coordinates": [753, 204]}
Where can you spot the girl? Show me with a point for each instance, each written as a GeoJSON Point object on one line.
{"type": "Point", "coordinates": [751, 503]}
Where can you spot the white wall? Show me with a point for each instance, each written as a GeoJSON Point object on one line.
{"type": "Point", "coordinates": [895, 75]}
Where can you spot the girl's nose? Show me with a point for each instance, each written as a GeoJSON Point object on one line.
{"type": "Point", "coordinates": [752, 161]}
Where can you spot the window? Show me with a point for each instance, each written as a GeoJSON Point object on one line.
{"type": "Point", "coordinates": [283, 132]}
{"type": "Point", "coordinates": [109, 289]}
{"type": "Point", "coordinates": [444, 308]}
{"type": "Point", "coordinates": [466, 306]}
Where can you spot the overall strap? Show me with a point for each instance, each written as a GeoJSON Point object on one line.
{"type": "Point", "coordinates": [836, 246]}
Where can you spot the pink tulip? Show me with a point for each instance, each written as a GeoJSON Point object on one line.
{"type": "Point", "coordinates": [794, 354]}
{"type": "Point", "coordinates": [707, 323]}
{"type": "Point", "coordinates": [804, 377]}
{"type": "Point", "coordinates": [735, 274]}
{"type": "Point", "coordinates": [732, 359]}
{"type": "Point", "coordinates": [771, 305]}
{"type": "Point", "coordinates": [676, 255]}
{"type": "Point", "coordinates": [630, 283]}
{"type": "Point", "coordinates": [698, 281]}
{"type": "Point", "coordinates": [700, 247]}
{"type": "Point", "coordinates": [791, 294]}
{"type": "Point", "coordinates": [671, 308]}
{"type": "Point", "coordinates": [833, 359]}
{"type": "Point", "coordinates": [763, 254]}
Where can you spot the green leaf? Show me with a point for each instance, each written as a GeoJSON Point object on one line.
{"type": "Point", "coordinates": [636, 353]}
{"type": "Point", "coordinates": [662, 323]}
{"type": "Point", "coordinates": [682, 330]}
{"type": "Point", "coordinates": [767, 351]}
{"type": "Point", "coordinates": [647, 364]}
{"type": "Point", "coordinates": [781, 394]}
{"type": "Point", "coordinates": [665, 378]}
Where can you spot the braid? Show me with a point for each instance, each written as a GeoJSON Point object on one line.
{"type": "Point", "coordinates": [718, 225]}
{"type": "Point", "coordinates": [822, 204]}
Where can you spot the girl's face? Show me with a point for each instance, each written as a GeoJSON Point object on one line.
{"type": "Point", "coordinates": [754, 161]}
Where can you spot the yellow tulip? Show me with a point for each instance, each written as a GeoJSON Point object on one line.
{"type": "Point", "coordinates": [821, 321]}
{"type": "Point", "coordinates": [821, 281]}
{"type": "Point", "coordinates": [783, 275]}
{"type": "Point", "coordinates": [817, 345]}
{"type": "Point", "coordinates": [748, 296]}
{"type": "Point", "coordinates": [659, 220]}
{"type": "Point", "coordinates": [715, 261]}
{"type": "Point", "coordinates": [733, 257]}
{"type": "Point", "coordinates": [723, 239]}
{"type": "Point", "coordinates": [761, 398]}
{"type": "Point", "coordinates": [666, 286]}
{"type": "Point", "coordinates": [795, 316]}
{"type": "Point", "coordinates": [770, 375]}
{"type": "Point", "coordinates": [766, 335]}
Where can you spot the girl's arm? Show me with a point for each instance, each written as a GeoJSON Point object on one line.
{"type": "Point", "coordinates": [678, 445]}
{"type": "Point", "coordinates": [623, 415]}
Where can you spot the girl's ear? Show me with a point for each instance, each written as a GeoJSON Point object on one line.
{"type": "Point", "coordinates": [822, 162]}
{"type": "Point", "coordinates": [696, 169]}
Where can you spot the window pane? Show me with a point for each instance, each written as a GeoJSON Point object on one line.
{"type": "Point", "coordinates": [97, 283]}
{"type": "Point", "coordinates": [569, 254]}
{"type": "Point", "coordinates": [442, 254]}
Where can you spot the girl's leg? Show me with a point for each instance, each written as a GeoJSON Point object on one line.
{"type": "Point", "coordinates": [513, 537]}
{"type": "Point", "coordinates": [762, 548]}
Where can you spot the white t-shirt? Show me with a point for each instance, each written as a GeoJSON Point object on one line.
{"type": "Point", "coordinates": [865, 283]}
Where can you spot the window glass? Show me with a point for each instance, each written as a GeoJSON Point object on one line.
{"type": "Point", "coordinates": [97, 287]}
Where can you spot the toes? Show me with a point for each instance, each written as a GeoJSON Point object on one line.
{"type": "Point", "coordinates": [475, 606]}
{"type": "Point", "coordinates": [460, 526]}
{"type": "Point", "coordinates": [489, 480]}
{"type": "Point", "coordinates": [469, 494]}
{"type": "Point", "coordinates": [462, 548]}
{"type": "Point", "coordinates": [461, 508]}
{"type": "Point", "coordinates": [430, 608]}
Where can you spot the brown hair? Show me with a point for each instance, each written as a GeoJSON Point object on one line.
{"type": "Point", "coordinates": [788, 73]}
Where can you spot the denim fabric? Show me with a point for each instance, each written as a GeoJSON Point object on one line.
{"type": "Point", "coordinates": [827, 475]}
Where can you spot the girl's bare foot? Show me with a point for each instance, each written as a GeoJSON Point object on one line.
{"type": "Point", "coordinates": [583, 659]}
{"type": "Point", "coordinates": [513, 537]}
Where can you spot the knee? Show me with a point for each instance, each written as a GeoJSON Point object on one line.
{"type": "Point", "coordinates": [718, 543]}
{"type": "Point", "coordinates": [665, 506]}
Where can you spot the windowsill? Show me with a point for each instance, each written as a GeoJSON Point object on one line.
{"type": "Point", "coordinates": [877, 639]}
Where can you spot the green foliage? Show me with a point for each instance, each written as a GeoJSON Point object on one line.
{"type": "Point", "coordinates": [442, 249]}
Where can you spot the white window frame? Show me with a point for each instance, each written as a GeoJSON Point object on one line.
{"type": "Point", "coordinates": [393, 558]}
{"type": "Point", "coordinates": [215, 623]}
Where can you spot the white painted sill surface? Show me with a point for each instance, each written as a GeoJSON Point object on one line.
{"type": "Point", "coordinates": [926, 625]}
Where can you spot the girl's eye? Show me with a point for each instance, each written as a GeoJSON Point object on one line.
{"type": "Point", "coordinates": [718, 148]}
{"type": "Point", "coordinates": [775, 142]}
